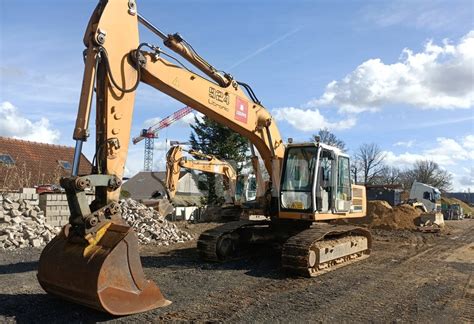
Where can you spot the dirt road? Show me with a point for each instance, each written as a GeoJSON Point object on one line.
{"type": "Point", "coordinates": [409, 277]}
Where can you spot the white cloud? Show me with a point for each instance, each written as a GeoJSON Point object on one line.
{"type": "Point", "coordinates": [135, 158]}
{"type": "Point", "coordinates": [455, 156]}
{"type": "Point", "coordinates": [405, 143]}
{"type": "Point", "coordinates": [468, 142]}
{"type": "Point", "coordinates": [419, 14]}
{"type": "Point", "coordinates": [14, 124]}
{"type": "Point", "coordinates": [447, 152]}
{"type": "Point", "coordinates": [189, 118]}
{"type": "Point", "coordinates": [439, 77]}
{"type": "Point", "coordinates": [151, 122]}
{"type": "Point", "coordinates": [310, 120]}
{"type": "Point", "coordinates": [161, 145]}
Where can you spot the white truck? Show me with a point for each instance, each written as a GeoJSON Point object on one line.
{"type": "Point", "coordinates": [428, 195]}
{"type": "Point", "coordinates": [431, 198]}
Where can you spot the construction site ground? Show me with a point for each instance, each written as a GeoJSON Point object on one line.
{"type": "Point", "coordinates": [409, 277]}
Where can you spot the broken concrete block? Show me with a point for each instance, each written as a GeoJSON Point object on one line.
{"type": "Point", "coordinates": [17, 220]}
{"type": "Point", "coordinates": [14, 213]}
{"type": "Point", "coordinates": [35, 242]}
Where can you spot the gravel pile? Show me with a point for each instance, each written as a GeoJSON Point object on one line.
{"type": "Point", "coordinates": [23, 225]}
{"type": "Point", "coordinates": [151, 227]}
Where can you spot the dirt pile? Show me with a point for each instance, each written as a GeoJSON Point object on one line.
{"type": "Point", "coordinates": [381, 215]}
{"type": "Point", "coordinates": [150, 225]}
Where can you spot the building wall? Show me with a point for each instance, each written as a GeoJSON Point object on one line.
{"type": "Point", "coordinates": [188, 184]}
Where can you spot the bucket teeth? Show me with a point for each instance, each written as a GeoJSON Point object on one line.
{"type": "Point", "coordinates": [105, 274]}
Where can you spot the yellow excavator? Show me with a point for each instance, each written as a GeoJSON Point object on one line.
{"type": "Point", "coordinates": [94, 260]}
{"type": "Point", "coordinates": [175, 161]}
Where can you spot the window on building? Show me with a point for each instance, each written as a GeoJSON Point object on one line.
{"type": "Point", "coordinates": [6, 159]}
{"type": "Point", "coordinates": [65, 165]}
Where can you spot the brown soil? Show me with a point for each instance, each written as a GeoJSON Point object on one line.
{"type": "Point", "coordinates": [381, 215]}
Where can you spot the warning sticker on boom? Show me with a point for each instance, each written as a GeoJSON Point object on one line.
{"type": "Point", "coordinates": [241, 110]}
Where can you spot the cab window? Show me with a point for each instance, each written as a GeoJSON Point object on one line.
{"type": "Point", "coordinates": [343, 180]}
{"type": "Point", "coordinates": [298, 175]}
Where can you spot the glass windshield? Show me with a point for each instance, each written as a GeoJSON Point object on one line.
{"type": "Point", "coordinates": [298, 178]}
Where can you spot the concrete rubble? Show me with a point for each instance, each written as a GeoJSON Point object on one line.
{"type": "Point", "coordinates": [151, 227]}
{"type": "Point", "coordinates": [23, 224]}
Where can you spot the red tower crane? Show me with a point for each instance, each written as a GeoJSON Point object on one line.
{"type": "Point", "coordinates": [149, 135]}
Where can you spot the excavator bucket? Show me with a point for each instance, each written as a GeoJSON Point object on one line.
{"type": "Point", "coordinates": [104, 273]}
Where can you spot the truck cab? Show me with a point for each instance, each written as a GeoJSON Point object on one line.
{"type": "Point", "coordinates": [428, 195]}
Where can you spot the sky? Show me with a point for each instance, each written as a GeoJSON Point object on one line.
{"type": "Point", "coordinates": [396, 73]}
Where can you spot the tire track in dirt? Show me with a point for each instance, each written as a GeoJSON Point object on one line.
{"type": "Point", "coordinates": [240, 301]}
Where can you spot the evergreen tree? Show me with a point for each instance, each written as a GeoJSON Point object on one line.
{"type": "Point", "coordinates": [213, 138]}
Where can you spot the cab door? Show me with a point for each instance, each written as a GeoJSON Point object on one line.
{"type": "Point", "coordinates": [343, 185]}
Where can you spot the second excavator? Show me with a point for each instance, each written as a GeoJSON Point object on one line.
{"type": "Point", "coordinates": [95, 261]}
{"type": "Point", "coordinates": [175, 161]}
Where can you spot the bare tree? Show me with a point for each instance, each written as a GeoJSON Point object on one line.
{"type": "Point", "coordinates": [389, 175]}
{"type": "Point", "coordinates": [355, 169]}
{"type": "Point", "coordinates": [371, 160]}
{"type": "Point", "coordinates": [326, 137]}
{"type": "Point", "coordinates": [428, 172]}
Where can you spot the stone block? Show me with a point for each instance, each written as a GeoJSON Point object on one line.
{"type": "Point", "coordinates": [28, 190]}
{"type": "Point", "coordinates": [14, 213]}
{"type": "Point", "coordinates": [17, 220]}
{"type": "Point", "coordinates": [36, 242]}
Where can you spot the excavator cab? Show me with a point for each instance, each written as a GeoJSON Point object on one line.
{"type": "Point", "coordinates": [315, 179]}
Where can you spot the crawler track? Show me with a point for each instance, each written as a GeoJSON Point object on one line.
{"type": "Point", "coordinates": [301, 255]}
{"type": "Point", "coordinates": [210, 240]}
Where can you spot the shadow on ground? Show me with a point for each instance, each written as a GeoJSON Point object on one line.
{"type": "Point", "coordinates": [18, 267]}
{"type": "Point", "coordinates": [43, 308]}
{"type": "Point", "coordinates": [262, 262]}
